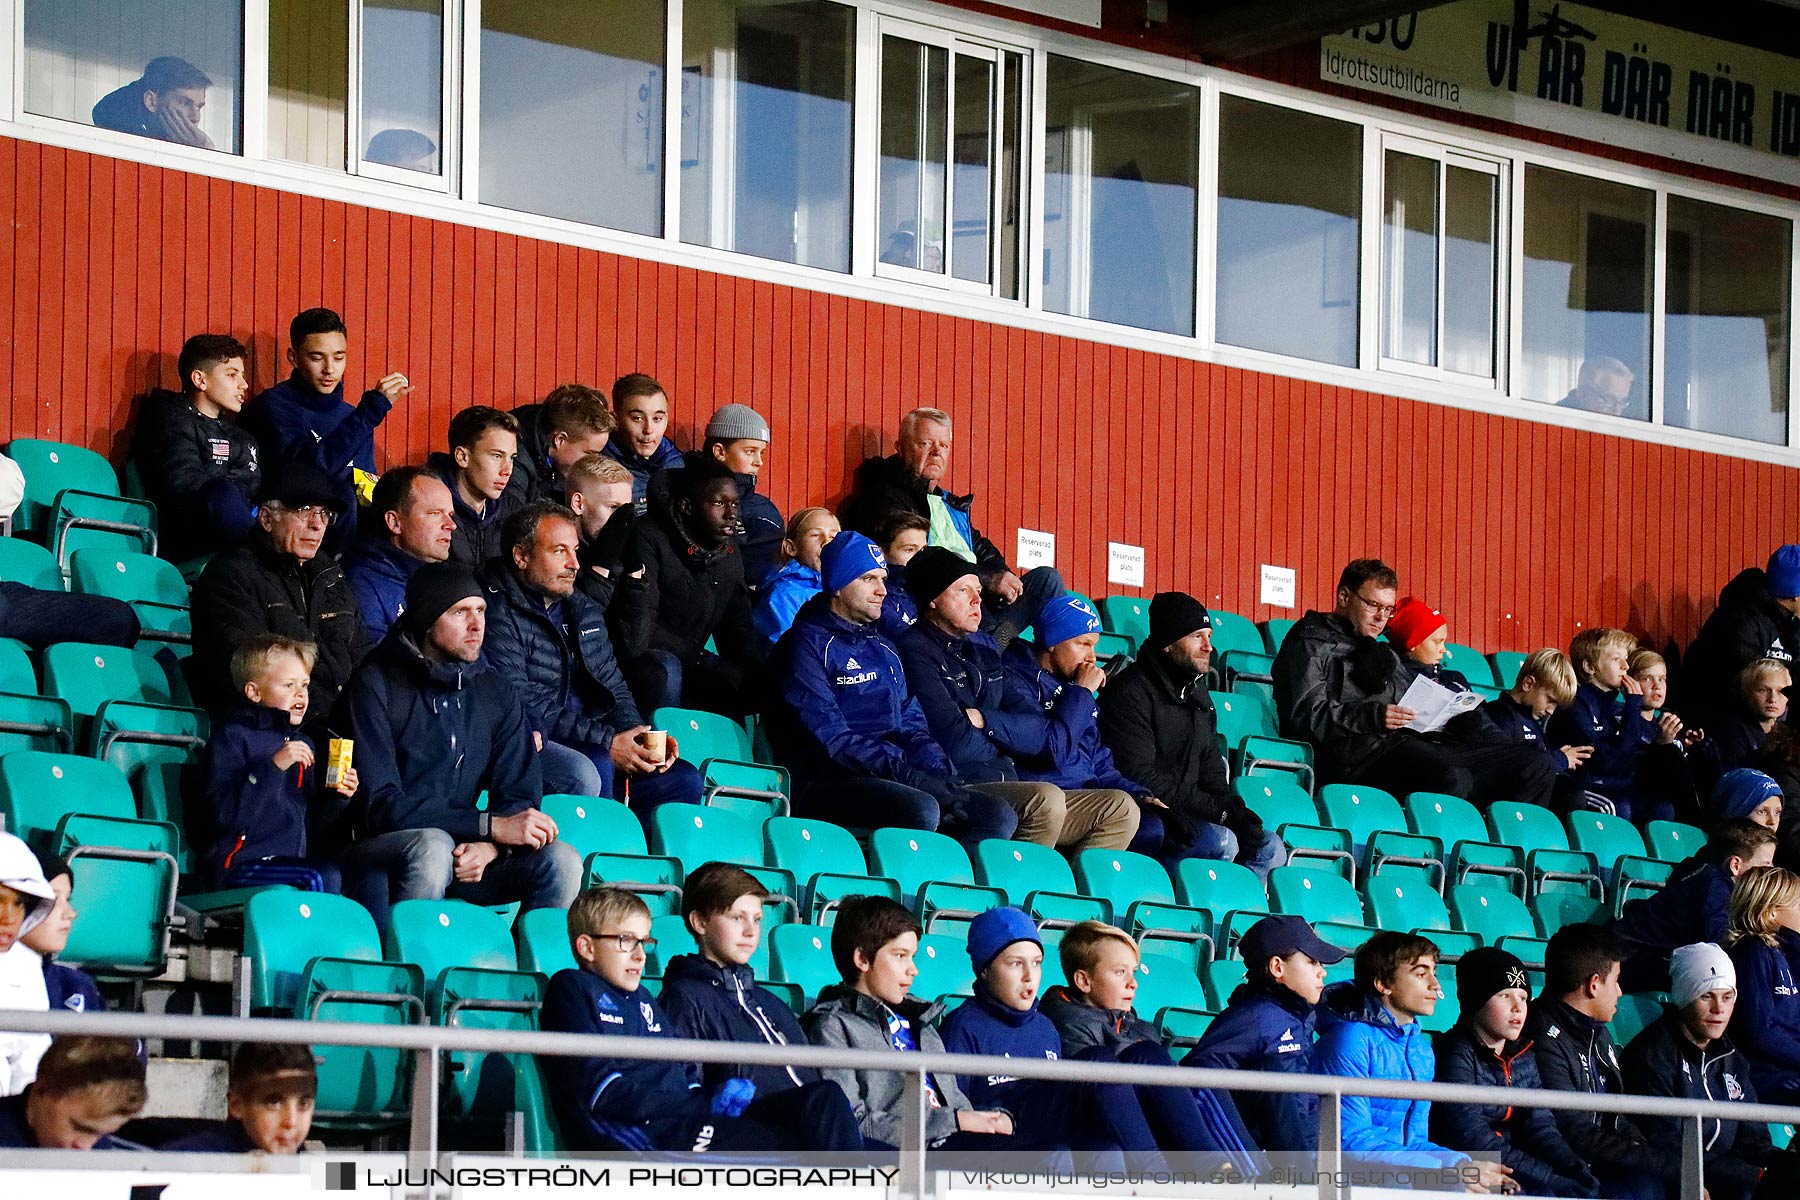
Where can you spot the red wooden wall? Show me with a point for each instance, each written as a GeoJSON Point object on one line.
{"type": "Point", "coordinates": [1517, 530]}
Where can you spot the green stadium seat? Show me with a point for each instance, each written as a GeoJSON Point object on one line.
{"type": "Point", "coordinates": [610, 841]}
{"type": "Point", "coordinates": [934, 875]}
{"type": "Point", "coordinates": [1472, 663]}
{"type": "Point", "coordinates": [1230, 891]}
{"type": "Point", "coordinates": [727, 762]}
{"type": "Point", "coordinates": [1328, 901]}
{"type": "Point", "coordinates": [17, 674]}
{"type": "Point", "coordinates": [1053, 968]}
{"type": "Point", "coordinates": [1637, 1012]}
{"type": "Point", "coordinates": [1038, 880]}
{"type": "Point", "coordinates": [1220, 978]}
{"type": "Point", "coordinates": [542, 940]}
{"type": "Point", "coordinates": [1536, 833]}
{"type": "Point", "coordinates": [1127, 615]}
{"type": "Point", "coordinates": [801, 954]}
{"type": "Point", "coordinates": [1490, 914]}
{"type": "Point", "coordinates": [116, 694]}
{"type": "Point", "coordinates": [72, 501]}
{"type": "Point", "coordinates": [673, 938]}
{"type": "Point", "coordinates": [152, 586]}
{"type": "Point", "coordinates": [1673, 841]}
{"type": "Point", "coordinates": [944, 968]}
{"type": "Point", "coordinates": [1411, 907]}
{"type": "Point", "coordinates": [29, 722]}
{"type": "Point", "coordinates": [1114, 645]}
{"type": "Point", "coordinates": [317, 957]}
{"type": "Point", "coordinates": [1285, 808]}
{"type": "Point", "coordinates": [1377, 829]}
{"type": "Point", "coordinates": [1275, 631]}
{"type": "Point", "coordinates": [1553, 910]}
{"type": "Point", "coordinates": [1238, 647]}
{"type": "Point", "coordinates": [1618, 851]}
{"type": "Point", "coordinates": [159, 750]}
{"type": "Point", "coordinates": [1142, 897]}
{"type": "Point", "coordinates": [693, 834]}
{"type": "Point", "coordinates": [826, 863]}
{"type": "Point", "coordinates": [1450, 819]}
{"type": "Point", "coordinates": [1781, 1136]}
{"type": "Point", "coordinates": [1506, 664]}
{"type": "Point", "coordinates": [1252, 744]}
{"type": "Point", "coordinates": [1485, 692]}
{"type": "Point", "coordinates": [1444, 1015]}
{"type": "Point", "coordinates": [1170, 996]}
{"type": "Point", "coordinates": [30, 564]}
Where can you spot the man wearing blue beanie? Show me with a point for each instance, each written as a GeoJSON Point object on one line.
{"type": "Point", "coordinates": [844, 723]}
{"type": "Point", "coordinates": [1758, 617]}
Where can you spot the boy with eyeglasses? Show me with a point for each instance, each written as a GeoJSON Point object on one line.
{"type": "Point", "coordinates": [650, 1104]}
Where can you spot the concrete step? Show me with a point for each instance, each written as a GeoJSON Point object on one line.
{"type": "Point", "coordinates": [187, 1087]}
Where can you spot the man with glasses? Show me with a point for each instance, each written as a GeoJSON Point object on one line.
{"type": "Point", "coordinates": [1339, 687]}
{"type": "Point", "coordinates": [281, 581]}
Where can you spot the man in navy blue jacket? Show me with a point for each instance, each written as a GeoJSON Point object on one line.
{"type": "Point", "coordinates": [657, 1104]}
{"type": "Point", "coordinates": [434, 727]}
{"type": "Point", "coordinates": [956, 673]}
{"type": "Point", "coordinates": [305, 419]}
{"type": "Point", "coordinates": [846, 725]}
{"type": "Point", "coordinates": [1694, 906]}
{"type": "Point", "coordinates": [412, 511]}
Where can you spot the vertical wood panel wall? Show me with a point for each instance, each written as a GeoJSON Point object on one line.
{"type": "Point", "coordinates": [1516, 530]}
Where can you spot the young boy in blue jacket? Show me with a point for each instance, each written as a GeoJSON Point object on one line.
{"type": "Point", "coordinates": [269, 1102]}
{"type": "Point", "coordinates": [1268, 1026]}
{"type": "Point", "coordinates": [1369, 1029]}
{"type": "Point", "coordinates": [649, 1104]}
{"type": "Point", "coordinates": [1695, 905]}
{"type": "Point", "coordinates": [257, 763]}
{"type": "Point", "coordinates": [1606, 714]}
{"type": "Point", "coordinates": [1545, 683]}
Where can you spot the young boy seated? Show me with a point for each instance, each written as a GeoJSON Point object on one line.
{"type": "Point", "coordinates": [1094, 1017]}
{"type": "Point", "coordinates": [85, 1091]}
{"type": "Point", "coordinates": [199, 468]}
{"type": "Point", "coordinates": [714, 997]}
{"type": "Point", "coordinates": [1666, 769]}
{"type": "Point", "coordinates": [1369, 1029]}
{"type": "Point", "coordinates": [1484, 1048]}
{"type": "Point", "coordinates": [647, 1104]}
{"type": "Point", "coordinates": [26, 901]}
{"type": "Point", "coordinates": [1545, 683]}
{"type": "Point", "coordinates": [738, 438]}
{"type": "Point", "coordinates": [1694, 906]}
{"type": "Point", "coordinates": [67, 988]}
{"type": "Point", "coordinates": [1268, 1025]}
{"type": "Point", "coordinates": [900, 536]}
{"type": "Point", "coordinates": [1616, 731]}
{"type": "Point", "coordinates": [873, 943]}
{"type": "Point", "coordinates": [1736, 736]}
{"type": "Point", "coordinates": [260, 805]}
{"type": "Point", "coordinates": [640, 442]}
{"type": "Point", "coordinates": [484, 442]}
{"type": "Point", "coordinates": [795, 580]}
{"type": "Point", "coordinates": [268, 1100]}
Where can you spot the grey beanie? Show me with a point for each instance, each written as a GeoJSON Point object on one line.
{"type": "Point", "coordinates": [737, 421]}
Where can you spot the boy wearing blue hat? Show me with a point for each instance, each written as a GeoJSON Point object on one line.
{"type": "Point", "coordinates": [845, 724]}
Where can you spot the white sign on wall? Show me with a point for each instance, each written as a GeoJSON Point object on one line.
{"type": "Point", "coordinates": [1278, 586]}
{"type": "Point", "coordinates": [1036, 549]}
{"type": "Point", "coordinates": [1125, 564]}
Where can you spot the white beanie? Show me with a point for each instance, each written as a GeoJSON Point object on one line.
{"type": "Point", "coordinates": [1698, 969]}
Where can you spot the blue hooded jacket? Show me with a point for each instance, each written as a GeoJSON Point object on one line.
{"type": "Point", "coordinates": [615, 1103]}
{"type": "Point", "coordinates": [1515, 725]}
{"type": "Point", "coordinates": [1267, 1028]}
{"type": "Point", "coordinates": [1064, 746]}
{"type": "Point", "coordinates": [292, 422]}
{"type": "Point", "coordinates": [986, 1026]}
{"type": "Point", "coordinates": [1766, 1023]}
{"type": "Point", "coordinates": [255, 810]}
{"type": "Point", "coordinates": [618, 448]}
{"type": "Point", "coordinates": [781, 597]}
{"type": "Point", "coordinates": [378, 572]}
{"type": "Point", "coordinates": [764, 527]}
{"type": "Point", "coordinates": [1359, 1039]}
{"type": "Point", "coordinates": [1618, 734]}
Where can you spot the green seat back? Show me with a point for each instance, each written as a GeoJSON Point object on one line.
{"type": "Point", "coordinates": [1442, 1017]}
{"type": "Point", "coordinates": [673, 938]}
{"type": "Point", "coordinates": [914, 857]}
{"type": "Point", "coordinates": [693, 834]}
{"type": "Point", "coordinates": [284, 930]}
{"type": "Point", "coordinates": [1553, 910]}
{"type": "Point", "coordinates": [30, 564]}
{"type": "Point", "coordinates": [542, 940]}
{"type": "Point", "coordinates": [38, 790]}
{"type": "Point", "coordinates": [1526, 826]}
{"type": "Point", "coordinates": [1220, 888]}
{"type": "Point", "coordinates": [1608, 838]}
{"type": "Point", "coordinates": [1406, 905]}
{"type": "Point", "coordinates": [439, 935]}
{"type": "Point", "coordinates": [1472, 663]}
{"type": "Point", "coordinates": [1277, 799]}
{"type": "Point", "coordinates": [1164, 981]}
{"type": "Point", "coordinates": [1261, 699]}
{"type": "Point", "coordinates": [1489, 913]}
{"type": "Point", "coordinates": [88, 676]}
{"type": "Point", "coordinates": [704, 735]}
{"type": "Point", "coordinates": [1673, 841]}
{"type": "Point", "coordinates": [1364, 811]}
{"type": "Point", "coordinates": [801, 954]}
{"type": "Point", "coordinates": [1449, 819]}
{"type": "Point", "coordinates": [944, 967]}
{"type": "Point", "coordinates": [1315, 895]}
{"type": "Point", "coordinates": [52, 467]}
{"type": "Point", "coordinates": [1220, 977]}
{"type": "Point", "coordinates": [1275, 631]}
{"type": "Point", "coordinates": [1127, 615]}
{"type": "Point", "coordinates": [1238, 717]}
{"type": "Point", "coordinates": [35, 723]}
{"type": "Point", "coordinates": [1114, 645]}
{"type": "Point", "coordinates": [1637, 1012]}
{"type": "Point", "coordinates": [825, 860]}
{"type": "Point", "coordinates": [1122, 878]}
{"type": "Point", "coordinates": [594, 824]}
{"type": "Point", "coordinates": [1506, 664]}
{"type": "Point", "coordinates": [162, 775]}
{"type": "Point", "coordinates": [1231, 632]}
{"type": "Point", "coordinates": [128, 576]}
{"type": "Point", "coordinates": [16, 672]}
{"type": "Point", "coordinates": [1021, 868]}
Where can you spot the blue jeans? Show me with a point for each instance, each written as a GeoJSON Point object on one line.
{"type": "Point", "coordinates": [969, 817]}
{"type": "Point", "coordinates": [1042, 584]}
{"type": "Point", "coordinates": [1210, 840]}
{"type": "Point", "coordinates": [420, 864]}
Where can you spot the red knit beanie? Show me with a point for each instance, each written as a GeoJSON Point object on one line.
{"type": "Point", "coordinates": [1413, 621]}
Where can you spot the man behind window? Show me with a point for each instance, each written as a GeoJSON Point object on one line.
{"type": "Point", "coordinates": [165, 103]}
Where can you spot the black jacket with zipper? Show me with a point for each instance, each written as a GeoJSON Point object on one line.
{"type": "Point", "coordinates": [1575, 1053]}
{"type": "Point", "coordinates": [1526, 1139]}
{"type": "Point", "coordinates": [1662, 1061]}
{"type": "Point", "coordinates": [725, 1004]}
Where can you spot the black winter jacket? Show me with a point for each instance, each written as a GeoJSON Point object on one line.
{"type": "Point", "coordinates": [885, 486]}
{"type": "Point", "coordinates": [533, 477]}
{"type": "Point", "coordinates": [684, 595]}
{"type": "Point", "coordinates": [725, 1004]}
{"type": "Point", "coordinates": [1661, 1061]}
{"type": "Point", "coordinates": [1575, 1053]}
{"type": "Point", "coordinates": [431, 737]}
{"type": "Point", "coordinates": [180, 455]}
{"type": "Point", "coordinates": [1746, 626]}
{"type": "Point", "coordinates": [477, 537]}
{"type": "Point", "coordinates": [565, 672]}
{"type": "Point", "coordinates": [1332, 688]}
{"type": "Point", "coordinates": [949, 675]}
{"type": "Point", "coordinates": [1082, 1026]}
{"type": "Point", "coordinates": [255, 589]}
{"type": "Point", "coordinates": [1526, 1139]}
{"type": "Point", "coordinates": [603, 558]}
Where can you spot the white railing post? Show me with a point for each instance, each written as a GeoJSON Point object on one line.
{"type": "Point", "coordinates": [422, 1140]}
{"type": "Point", "coordinates": [1693, 1159]}
{"type": "Point", "coordinates": [912, 1136]}
{"type": "Point", "coordinates": [1330, 1158]}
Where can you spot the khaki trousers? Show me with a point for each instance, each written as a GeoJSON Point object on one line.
{"type": "Point", "coordinates": [1084, 819]}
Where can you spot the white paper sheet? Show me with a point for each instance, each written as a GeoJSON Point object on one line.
{"type": "Point", "coordinates": [1434, 705]}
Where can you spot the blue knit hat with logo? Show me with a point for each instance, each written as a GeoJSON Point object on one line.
{"type": "Point", "coordinates": [1067, 616]}
{"type": "Point", "coordinates": [847, 558]}
{"type": "Point", "coordinates": [1741, 792]}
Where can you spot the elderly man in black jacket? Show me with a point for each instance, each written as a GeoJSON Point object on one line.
{"type": "Point", "coordinates": [550, 640]}
{"type": "Point", "coordinates": [1157, 718]}
{"type": "Point", "coordinates": [909, 481]}
{"type": "Point", "coordinates": [1339, 687]}
{"type": "Point", "coordinates": [281, 581]}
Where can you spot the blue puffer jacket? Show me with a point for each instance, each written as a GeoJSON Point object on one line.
{"type": "Point", "coordinates": [1064, 748]}
{"type": "Point", "coordinates": [844, 709]}
{"type": "Point", "coordinates": [570, 684]}
{"type": "Point", "coordinates": [781, 596]}
{"type": "Point", "coordinates": [1267, 1028]}
{"type": "Point", "coordinates": [1359, 1039]}
{"type": "Point", "coordinates": [378, 572]}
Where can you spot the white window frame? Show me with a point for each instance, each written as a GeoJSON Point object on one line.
{"type": "Point", "coordinates": [448, 106]}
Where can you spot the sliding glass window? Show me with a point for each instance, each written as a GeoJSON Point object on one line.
{"type": "Point", "coordinates": [1440, 264]}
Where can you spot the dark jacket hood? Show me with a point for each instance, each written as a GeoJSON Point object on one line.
{"type": "Point", "coordinates": [700, 969]}
{"type": "Point", "coordinates": [1749, 588]}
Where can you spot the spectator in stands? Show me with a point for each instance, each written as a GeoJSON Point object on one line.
{"type": "Point", "coordinates": [1756, 618]}
{"type": "Point", "coordinates": [641, 414]}
{"type": "Point", "coordinates": [1369, 1029]}
{"type": "Point", "coordinates": [281, 581]}
{"type": "Point", "coordinates": [1749, 794]}
{"type": "Point", "coordinates": [1764, 940]}
{"type": "Point", "coordinates": [484, 442]}
{"type": "Point", "coordinates": [845, 723]}
{"type": "Point", "coordinates": [600, 497]}
{"type": "Point", "coordinates": [658, 1104]}
{"type": "Point", "coordinates": [66, 988]}
{"type": "Point", "coordinates": [1694, 906]}
{"type": "Point", "coordinates": [713, 996]}
{"type": "Point", "coordinates": [796, 579]}
{"type": "Point", "coordinates": [164, 103]}
{"type": "Point", "coordinates": [1603, 385]}
{"type": "Point", "coordinates": [261, 811]}
{"type": "Point", "coordinates": [304, 419]}
{"type": "Point", "coordinates": [873, 942]}
{"type": "Point", "coordinates": [738, 438]}
{"type": "Point", "coordinates": [911, 481]}
{"type": "Point", "coordinates": [1567, 1027]}
{"type": "Point", "coordinates": [1688, 1055]}
{"type": "Point", "coordinates": [901, 535]}
{"type": "Point", "coordinates": [686, 587]}
{"type": "Point", "coordinates": [550, 641]}
{"type": "Point", "coordinates": [197, 466]}
{"type": "Point", "coordinates": [85, 1091]}
{"type": "Point", "coordinates": [1665, 772]}
{"type": "Point", "coordinates": [571, 422]}
{"type": "Point", "coordinates": [956, 674]}
{"type": "Point", "coordinates": [1420, 633]}
{"type": "Point", "coordinates": [407, 149]}
{"type": "Point", "coordinates": [269, 1100]}
{"type": "Point", "coordinates": [1093, 1016]}
{"type": "Point", "coordinates": [434, 727]}
{"type": "Point", "coordinates": [1545, 683]}
{"type": "Point", "coordinates": [1339, 688]}
{"type": "Point", "coordinates": [1268, 1025]}
{"type": "Point", "coordinates": [1485, 1049]}
{"type": "Point", "coordinates": [1737, 736]}
{"type": "Point", "coordinates": [412, 509]}
{"type": "Point", "coordinates": [1158, 721]}
{"type": "Point", "coordinates": [1607, 714]}
{"type": "Point", "coordinates": [26, 901]}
